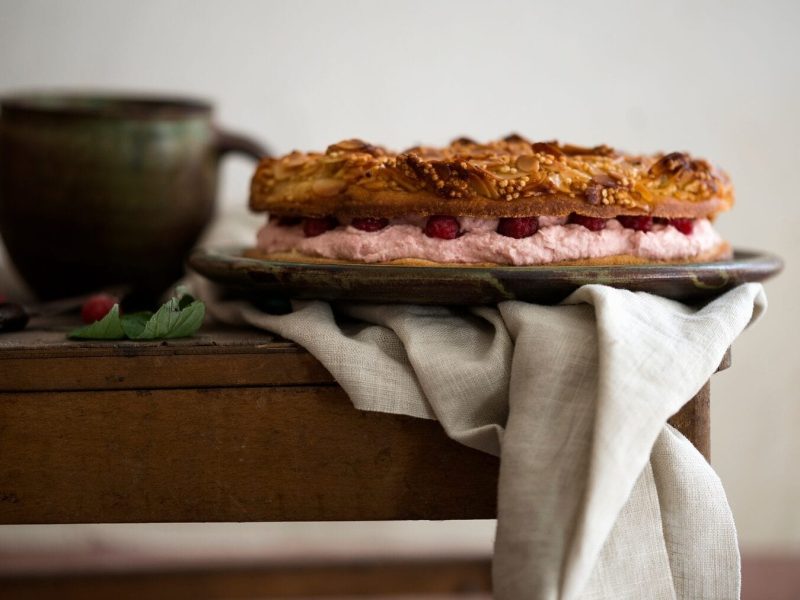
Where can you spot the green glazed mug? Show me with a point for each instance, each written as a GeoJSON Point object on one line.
{"type": "Point", "coordinates": [102, 190]}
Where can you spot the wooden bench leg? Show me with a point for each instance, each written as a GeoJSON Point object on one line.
{"type": "Point", "coordinates": [694, 420]}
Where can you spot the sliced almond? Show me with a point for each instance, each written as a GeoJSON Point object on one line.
{"type": "Point", "coordinates": [354, 145]}
{"type": "Point", "coordinates": [550, 148]}
{"type": "Point", "coordinates": [527, 163]}
{"type": "Point", "coordinates": [294, 160]}
{"type": "Point", "coordinates": [327, 187]}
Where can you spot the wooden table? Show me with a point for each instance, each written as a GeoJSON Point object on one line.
{"type": "Point", "coordinates": [231, 425]}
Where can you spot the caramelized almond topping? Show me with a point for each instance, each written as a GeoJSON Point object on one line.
{"type": "Point", "coordinates": [547, 148]}
{"type": "Point", "coordinates": [327, 187]}
{"type": "Point", "coordinates": [670, 164]}
{"type": "Point", "coordinates": [515, 137]}
{"type": "Point", "coordinates": [355, 145]}
{"type": "Point", "coordinates": [506, 171]}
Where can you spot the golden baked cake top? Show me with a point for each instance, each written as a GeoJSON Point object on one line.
{"type": "Point", "coordinates": [512, 177]}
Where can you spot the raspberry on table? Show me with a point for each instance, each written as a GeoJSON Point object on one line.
{"type": "Point", "coordinates": [442, 227]}
{"type": "Point", "coordinates": [591, 223]}
{"type": "Point", "coordinates": [369, 223]}
{"type": "Point", "coordinates": [518, 227]}
{"type": "Point", "coordinates": [96, 307]}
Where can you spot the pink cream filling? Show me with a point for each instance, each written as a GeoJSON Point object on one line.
{"type": "Point", "coordinates": [555, 241]}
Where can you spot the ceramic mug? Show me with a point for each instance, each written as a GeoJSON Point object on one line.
{"type": "Point", "coordinates": [98, 190]}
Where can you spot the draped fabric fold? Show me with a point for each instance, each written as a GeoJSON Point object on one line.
{"type": "Point", "coordinates": [598, 497]}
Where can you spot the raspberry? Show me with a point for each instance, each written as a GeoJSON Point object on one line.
{"type": "Point", "coordinates": [637, 222]}
{"type": "Point", "coordinates": [313, 227]}
{"type": "Point", "coordinates": [369, 223]}
{"type": "Point", "coordinates": [685, 226]}
{"type": "Point", "coordinates": [591, 223]}
{"type": "Point", "coordinates": [289, 221]}
{"type": "Point", "coordinates": [96, 307]}
{"type": "Point", "coordinates": [445, 228]}
{"type": "Point", "coordinates": [520, 227]}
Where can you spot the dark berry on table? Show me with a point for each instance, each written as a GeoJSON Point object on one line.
{"type": "Point", "coordinates": [13, 316]}
{"type": "Point", "coordinates": [660, 221]}
{"type": "Point", "coordinates": [442, 227]}
{"type": "Point", "coordinates": [313, 226]}
{"type": "Point", "coordinates": [289, 221]}
{"type": "Point", "coordinates": [591, 223]}
{"type": "Point", "coordinates": [97, 307]}
{"type": "Point", "coordinates": [369, 223]}
{"type": "Point", "coordinates": [518, 227]}
{"type": "Point", "coordinates": [685, 226]}
{"type": "Point", "coordinates": [637, 222]}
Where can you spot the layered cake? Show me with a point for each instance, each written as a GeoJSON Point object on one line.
{"type": "Point", "coordinates": [506, 202]}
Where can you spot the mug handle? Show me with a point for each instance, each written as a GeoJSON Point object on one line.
{"type": "Point", "coordinates": [229, 142]}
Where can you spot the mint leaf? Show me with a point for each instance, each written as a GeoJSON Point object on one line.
{"type": "Point", "coordinates": [177, 318]}
{"type": "Point", "coordinates": [134, 323]}
{"type": "Point", "coordinates": [107, 328]}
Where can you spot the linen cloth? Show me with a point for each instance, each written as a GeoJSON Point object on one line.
{"type": "Point", "coordinates": [598, 497]}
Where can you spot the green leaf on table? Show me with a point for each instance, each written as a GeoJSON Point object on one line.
{"type": "Point", "coordinates": [179, 317]}
{"type": "Point", "coordinates": [107, 328]}
{"type": "Point", "coordinates": [134, 323]}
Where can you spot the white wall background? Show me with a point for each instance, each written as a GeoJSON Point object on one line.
{"type": "Point", "coordinates": [721, 79]}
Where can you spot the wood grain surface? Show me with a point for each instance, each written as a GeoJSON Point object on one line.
{"type": "Point", "coordinates": [229, 454]}
{"type": "Point", "coordinates": [233, 426]}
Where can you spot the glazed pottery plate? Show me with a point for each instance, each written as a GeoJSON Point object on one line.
{"type": "Point", "coordinates": [472, 285]}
